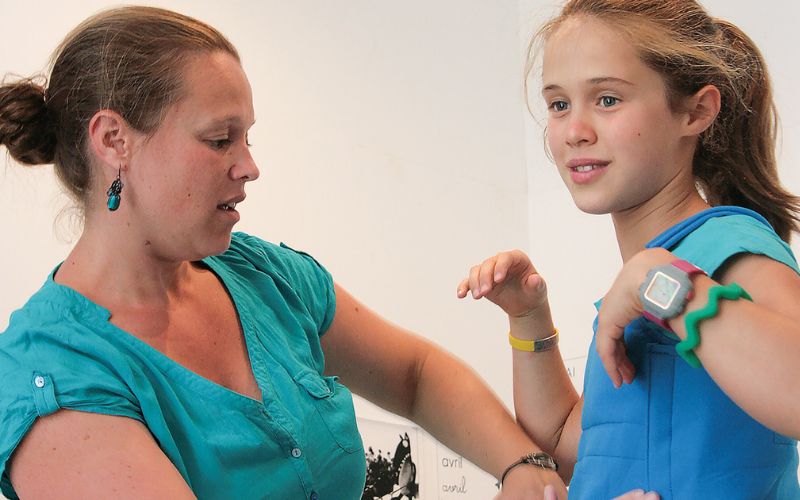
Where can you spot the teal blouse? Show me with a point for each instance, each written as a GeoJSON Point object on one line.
{"type": "Point", "coordinates": [60, 351]}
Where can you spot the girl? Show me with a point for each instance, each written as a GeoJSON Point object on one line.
{"type": "Point", "coordinates": [663, 117]}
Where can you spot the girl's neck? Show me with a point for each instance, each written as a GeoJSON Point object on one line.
{"type": "Point", "coordinates": [638, 225]}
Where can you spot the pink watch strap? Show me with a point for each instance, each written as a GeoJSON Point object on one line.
{"type": "Point", "coordinates": [687, 267]}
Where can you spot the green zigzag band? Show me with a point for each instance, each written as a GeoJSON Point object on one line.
{"type": "Point", "coordinates": [685, 348]}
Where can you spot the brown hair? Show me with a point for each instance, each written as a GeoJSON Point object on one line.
{"type": "Point", "coordinates": [129, 60]}
{"type": "Point", "coordinates": [734, 163]}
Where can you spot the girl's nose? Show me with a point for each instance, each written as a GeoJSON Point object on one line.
{"type": "Point", "coordinates": [580, 130]}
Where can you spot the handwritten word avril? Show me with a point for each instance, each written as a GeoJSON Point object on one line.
{"type": "Point", "coordinates": [456, 488]}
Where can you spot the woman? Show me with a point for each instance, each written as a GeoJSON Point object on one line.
{"type": "Point", "coordinates": [166, 357]}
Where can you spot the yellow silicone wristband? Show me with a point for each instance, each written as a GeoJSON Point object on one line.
{"type": "Point", "coordinates": [534, 345]}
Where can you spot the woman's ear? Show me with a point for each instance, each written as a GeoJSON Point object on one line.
{"type": "Point", "coordinates": [111, 138]}
{"type": "Point", "coordinates": [702, 109]}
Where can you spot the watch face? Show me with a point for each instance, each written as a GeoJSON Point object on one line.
{"type": "Point", "coordinates": [662, 290]}
{"type": "Point", "coordinates": [543, 460]}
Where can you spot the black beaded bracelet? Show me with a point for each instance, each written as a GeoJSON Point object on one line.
{"type": "Point", "coordinates": [539, 459]}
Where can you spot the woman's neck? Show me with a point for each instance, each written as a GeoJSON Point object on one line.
{"type": "Point", "coordinates": [109, 269]}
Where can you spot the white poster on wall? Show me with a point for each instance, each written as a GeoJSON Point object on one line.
{"type": "Point", "coordinates": [404, 462]}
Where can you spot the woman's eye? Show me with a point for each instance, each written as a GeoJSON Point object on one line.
{"type": "Point", "coordinates": [607, 101]}
{"type": "Point", "coordinates": [220, 143]}
{"type": "Point", "coordinates": [558, 106]}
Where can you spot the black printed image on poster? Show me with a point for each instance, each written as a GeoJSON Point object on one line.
{"type": "Point", "coordinates": [392, 455]}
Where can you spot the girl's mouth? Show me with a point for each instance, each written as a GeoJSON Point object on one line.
{"type": "Point", "coordinates": [585, 172]}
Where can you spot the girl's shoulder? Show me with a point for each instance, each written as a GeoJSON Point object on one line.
{"type": "Point", "coordinates": [718, 239]}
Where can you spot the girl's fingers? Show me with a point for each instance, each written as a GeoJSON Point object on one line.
{"type": "Point", "coordinates": [534, 282]}
{"type": "Point", "coordinates": [463, 288]}
{"type": "Point", "coordinates": [474, 281]}
{"type": "Point", "coordinates": [606, 351]}
{"type": "Point", "coordinates": [484, 278]}
{"type": "Point", "coordinates": [627, 370]}
{"type": "Point", "coordinates": [616, 363]}
{"type": "Point", "coordinates": [504, 262]}
{"type": "Point", "coordinates": [487, 275]}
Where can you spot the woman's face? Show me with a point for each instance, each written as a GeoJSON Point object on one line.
{"type": "Point", "coordinates": [615, 141]}
{"type": "Point", "coordinates": [185, 180]}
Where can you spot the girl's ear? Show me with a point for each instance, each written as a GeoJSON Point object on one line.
{"type": "Point", "coordinates": [702, 109]}
{"type": "Point", "coordinates": [111, 139]}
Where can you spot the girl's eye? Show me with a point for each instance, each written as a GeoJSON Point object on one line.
{"type": "Point", "coordinates": [607, 101]}
{"type": "Point", "coordinates": [558, 106]}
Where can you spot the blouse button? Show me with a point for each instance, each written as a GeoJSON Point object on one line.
{"type": "Point", "coordinates": [314, 496]}
{"type": "Point", "coordinates": [38, 381]}
{"type": "Point", "coordinates": [296, 452]}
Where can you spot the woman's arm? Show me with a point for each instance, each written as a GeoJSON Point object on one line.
{"type": "Point", "coordinates": [72, 454]}
{"type": "Point", "coordinates": [751, 349]}
{"type": "Point", "coordinates": [411, 377]}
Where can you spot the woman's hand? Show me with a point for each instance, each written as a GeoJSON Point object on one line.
{"type": "Point", "coordinates": [530, 483]}
{"type": "Point", "coordinates": [509, 280]}
{"type": "Point", "coordinates": [621, 305]}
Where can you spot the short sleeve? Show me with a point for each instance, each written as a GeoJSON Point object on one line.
{"type": "Point", "coordinates": [44, 370]}
{"type": "Point", "coordinates": [307, 277]}
{"type": "Point", "coordinates": [721, 238]}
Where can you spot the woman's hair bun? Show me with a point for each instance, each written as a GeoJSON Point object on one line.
{"type": "Point", "coordinates": [25, 128]}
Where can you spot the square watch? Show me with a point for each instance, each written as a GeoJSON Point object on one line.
{"type": "Point", "coordinates": [666, 290]}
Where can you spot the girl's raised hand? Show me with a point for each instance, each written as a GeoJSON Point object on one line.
{"type": "Point", "coordinates": [509, 280]}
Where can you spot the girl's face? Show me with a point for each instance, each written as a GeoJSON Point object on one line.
{"type": "Point", "coordinates": [187, 177]}
{"type": "Point", "coordinates": [615, 141]}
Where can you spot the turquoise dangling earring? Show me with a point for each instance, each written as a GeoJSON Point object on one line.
{"type": "Point", "coordinates": [114, 193]}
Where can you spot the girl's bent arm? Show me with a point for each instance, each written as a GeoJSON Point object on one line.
{"type": "Point", "coordinates": [749, 348]}
{"type": "Point", "coordinates": [546, 403]}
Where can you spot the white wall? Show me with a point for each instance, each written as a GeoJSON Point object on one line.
{"type": "Point", "coordinates": [394, 147]}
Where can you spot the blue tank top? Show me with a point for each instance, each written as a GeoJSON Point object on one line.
{"type": "Point", "coordinates": [673, 430]}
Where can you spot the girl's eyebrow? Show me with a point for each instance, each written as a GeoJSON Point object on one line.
{"type": "Point", "coordinates": [592, 81]}
{"type": "Point", "coordinates": [608, 79]}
